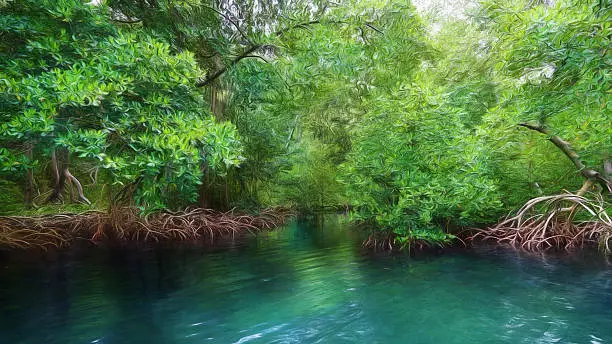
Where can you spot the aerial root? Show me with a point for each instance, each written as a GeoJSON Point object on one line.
{"type": "Point", "coordinates": [125, 224]}
{"type": "Point", "coordinates": [548, 223]}
{"type": "Point", "coordinates": [380, 242]}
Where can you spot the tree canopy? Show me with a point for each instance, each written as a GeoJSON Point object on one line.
{"type": "Point", "coordinates": [419, 127]}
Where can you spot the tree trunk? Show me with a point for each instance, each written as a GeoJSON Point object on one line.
{"type": "Point", "coordinates": [213, 100]}
{"type": "Point", "coordinates": [607, 167]}
{"type": "Point", "coordinates": [588, 184]}
{"type": "Point", "coordinates": [203, 198]}
{"type": "Point", "coordinates": [226, 205]}
{"type": "Point", "coordinates": [61, 174]}
{"type": "Point", "coordinates": [57, 165]}
{"type": "Point", "coordinates": [29, 185]}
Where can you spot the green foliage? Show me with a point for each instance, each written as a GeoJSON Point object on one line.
{"type": "Point", "coordinates": [552, 63]}
{"type": "Point", "coordinates": [310, 185]}
{"type": "Point", "coordinates": [359, 104]}
{"type": "Point", "coordinates": [415, 166]}
{"type": "Point", "coordinates": [119, 99]}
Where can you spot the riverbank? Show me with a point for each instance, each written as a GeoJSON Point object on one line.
{"type": "Point", "coordinates": [198, 225]}
{"type": "Point", "coordinates": [124, 224]}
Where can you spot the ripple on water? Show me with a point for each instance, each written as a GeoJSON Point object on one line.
{"type": "Point", "coordinates": [305, 284]}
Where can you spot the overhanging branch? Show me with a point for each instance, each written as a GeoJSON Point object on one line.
{"type": "Point", "coordinates": [231, 21]}
{"type": "Point", "coordinates": [566, 148]}
{"type": "Point", "coordinates": [247, 53]}
{"type": "Point", "coordinates": [223, 69]}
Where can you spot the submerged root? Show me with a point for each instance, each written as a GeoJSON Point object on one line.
{"type": "Point", "coordinates": [548, 223]}
{"type": "Point", "coordinates": [125, 224]}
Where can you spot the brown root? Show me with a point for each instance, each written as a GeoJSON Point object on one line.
{"type": "Point", "coordinates": [548, 223]}
{"type": "Point", "coordinates": [125, 224]}
{"type": "Point", "coordinates": [378, 242]}
{"type": "Point", "coordinates": [389, 242]}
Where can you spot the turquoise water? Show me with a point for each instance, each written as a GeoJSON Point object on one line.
{"type": "Point", "coordinates": [304, 284]}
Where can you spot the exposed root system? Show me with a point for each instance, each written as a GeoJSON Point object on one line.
{"type": "Point", "coordinates": [548, 223]}
{"type": "Point", "coordinates": [125, 224]}
{"type": "Point", "coordinates": [379, 242]}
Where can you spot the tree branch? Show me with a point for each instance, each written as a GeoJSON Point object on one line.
{"type": "Point", "coordinates": [231, 21]}
{"type": "Point", "coordinates": [125, 21]}
{"type": "Point", "coordinates": [567, 149]}
{"type": "Point", "coordinates": [79, 187]}
{"type": "Point", "coordinates": [223, 69]}
{"type": "Point", "coordinates": [258, 57]}
{"type": "Point", "coordinates": [375, 29]}
{"type": "Point", "coordinates": [209, 79]}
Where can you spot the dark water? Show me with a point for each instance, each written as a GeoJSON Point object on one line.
{"type": "Point", "coordinates": [304, 284]}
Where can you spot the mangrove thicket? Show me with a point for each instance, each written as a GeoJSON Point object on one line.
{"type": "Point", "coordinates": [421, 121]}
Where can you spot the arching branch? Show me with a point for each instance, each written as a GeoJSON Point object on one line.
{"type": "Point", "coordinates": [78, 185]}
{"type": "Point", "coordinates": [231, 22]}
{"type": "Point", "coordinates": [590, 174]}
{"type": "Point", "coordinates": [565, 147]}
{"type": "Point", "coordinates": [223, 69]}
{"type": "Point", "coordinates": [247, 53]}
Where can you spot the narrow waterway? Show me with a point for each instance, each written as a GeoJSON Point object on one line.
{"type": "Point", "coordinates": [307, 283]}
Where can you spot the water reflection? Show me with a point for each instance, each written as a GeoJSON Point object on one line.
{"type": "Point", "coordinates": [309, 283]}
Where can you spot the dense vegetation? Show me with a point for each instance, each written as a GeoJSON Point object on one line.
{"type": "Point", "coordinates": [419, 125]}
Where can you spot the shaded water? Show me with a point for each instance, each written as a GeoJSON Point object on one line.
{"type": "Point", "coordinates": [304, 284]}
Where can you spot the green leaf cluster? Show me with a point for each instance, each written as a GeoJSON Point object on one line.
{"type": "Point", "coordinates": [116, 97]}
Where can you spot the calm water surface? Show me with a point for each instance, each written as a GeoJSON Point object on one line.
{"type": "Point", "coordinates": [305, 284]}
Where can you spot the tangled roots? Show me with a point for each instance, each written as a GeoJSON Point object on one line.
{"type": "Point", "coordinates": [125, 224]}
{"type": "Point", "coordinates": [548, 222]}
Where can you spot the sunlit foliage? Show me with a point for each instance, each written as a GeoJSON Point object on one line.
{"type": "Point", "coordinates": [358, 104]}
{"type": "Point", "coordinates": [120, 99]}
